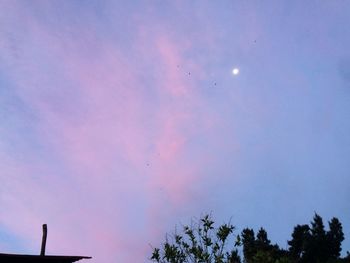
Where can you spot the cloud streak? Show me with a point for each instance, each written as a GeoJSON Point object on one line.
{"type": "Point", "coordinates": [112, 161]}
{"type": "Point", "coordinates": [119, 121]}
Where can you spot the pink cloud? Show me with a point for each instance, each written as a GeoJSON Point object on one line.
{"type": "Point", "coordinates": [118, 151]}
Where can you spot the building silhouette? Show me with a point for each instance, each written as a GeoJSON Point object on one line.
{"type": "Point", "coordinates": [42, 258]}
{"type": "Point", "coordinates": [16, 258]}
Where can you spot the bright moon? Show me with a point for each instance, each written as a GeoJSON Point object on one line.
{"type": "Point", "coordinates": [235, 71]}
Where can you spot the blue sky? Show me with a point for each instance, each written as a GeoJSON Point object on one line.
{"type": "Point", "coordinates": [120, 119]}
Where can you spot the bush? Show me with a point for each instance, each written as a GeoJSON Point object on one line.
{"type": "Point", "coordinates": [200, 242]}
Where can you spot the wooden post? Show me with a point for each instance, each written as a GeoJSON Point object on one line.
{"type": "Point", "coordinates": [43, 242]}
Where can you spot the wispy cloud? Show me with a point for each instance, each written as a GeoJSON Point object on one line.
{"type": "Point", "coordinates": [113, 131]}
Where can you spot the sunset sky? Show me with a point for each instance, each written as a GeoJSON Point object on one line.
{"type": "Point", "coordinates": [121, 119]}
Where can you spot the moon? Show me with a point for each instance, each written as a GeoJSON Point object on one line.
{"type": "Point", "coordinates": [235, 71]}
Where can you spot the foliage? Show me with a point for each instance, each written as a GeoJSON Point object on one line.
{"type": "Point", "coordinates": [315, 244]}
{"type": "Point", "coordinates": [259, 249]}
{"type": "Point", "coordinates": [335, 237]}
{"type": "Point", "coordinates": [297, 244]}
{"type": "Point", "coordinates": [200, 242]}
{"type": "Point", "coordinates": [204, 243]}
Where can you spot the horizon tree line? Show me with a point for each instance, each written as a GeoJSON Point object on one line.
{"type": "Point", "coordinates": [203, 242]}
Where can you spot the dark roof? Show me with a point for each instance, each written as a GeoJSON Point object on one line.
{"type": "Point", "coordinates": [15, 258]}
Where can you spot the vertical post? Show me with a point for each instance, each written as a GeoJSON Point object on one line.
{"type": "Point", "coordinates": [43, 242]}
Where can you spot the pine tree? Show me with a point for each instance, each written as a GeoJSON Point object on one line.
{"type": "Point", "coordinates": [248, 241]}
{"type": "Point", "coordinates": [335, 236]}
{"type": "Point", "coordinates": [297, 244]}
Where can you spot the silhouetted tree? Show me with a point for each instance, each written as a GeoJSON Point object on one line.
{"type": "Point", "coordinates": [248, 242]}
{"type": "Point", "coordinates": [315, 244]}
{"type": "Point", "coordinates": [335, 237]}
{"type": "Point", "coordinates": [318, 242]}
{"type": "Point", "coordinates": [262, 242]}
{"type": "Point", "coordinates": [202, 242]}
{"type": "Point", "coordinates": [259, 249]}
{"type": "Point", "coordinates": [297, 244]}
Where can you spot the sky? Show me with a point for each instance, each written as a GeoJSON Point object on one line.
{"type": "Point", "coordinates": [121, 119]}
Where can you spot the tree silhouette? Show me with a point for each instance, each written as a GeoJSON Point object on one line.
{"type": "Point", "coordinates": [262, 242]}
{"type": "Point", "coordinates": [335, 237]}
{"type": "Point", "coordinates": [203, 242]}
{"type": "Point", "coordinates": [259, 249]}
{"type": "Point", "coordinates": [315, 244]}
{"type": "Point", "coordinates": [200, 242]}
{"type": "Point", "coordinates": [297, 244]}
{"type": "Point", "coordinates": [248, 242]}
